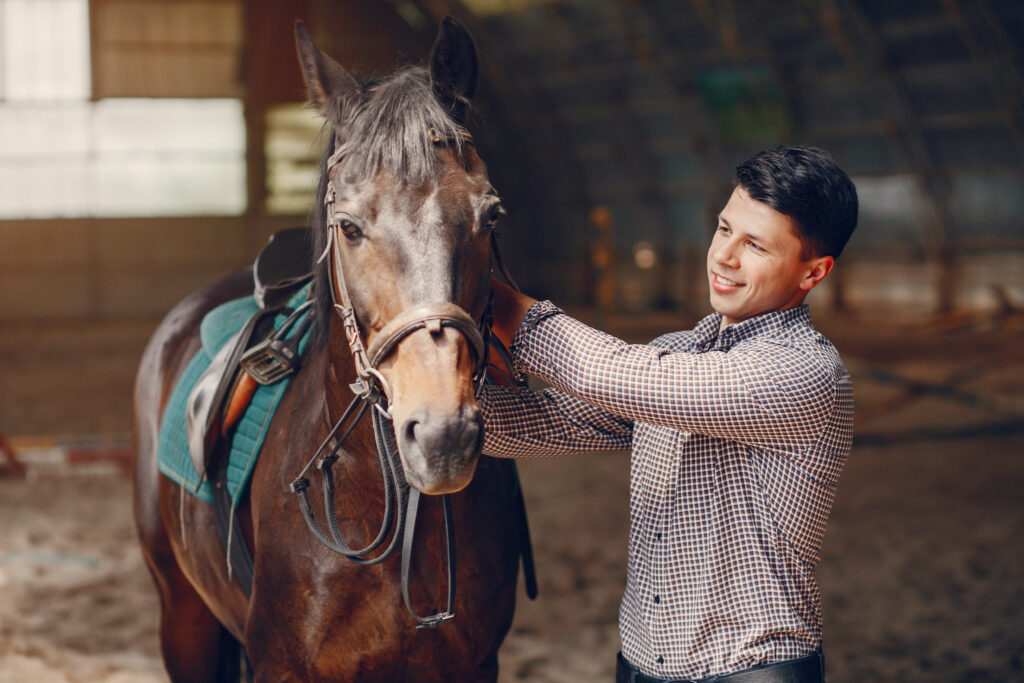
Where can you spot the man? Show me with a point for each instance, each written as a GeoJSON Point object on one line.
{"type": "Point", "coordinates": [739, 429]}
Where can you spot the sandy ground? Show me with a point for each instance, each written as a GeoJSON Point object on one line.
{"type": "Point", "coordinates": [923, 568]}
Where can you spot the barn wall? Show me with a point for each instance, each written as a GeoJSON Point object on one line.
{"type": "Point", "coordinates": [83, 269]}
{"type": "Point", "coordinates": [103, 269]}
{"type": "Point", "coordinates": [640, 110]}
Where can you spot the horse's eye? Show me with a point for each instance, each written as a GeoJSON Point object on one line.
{"type": "Point", "coordinates": [350, 229]}
{"type": "Point", "coordinates": [493, 215]}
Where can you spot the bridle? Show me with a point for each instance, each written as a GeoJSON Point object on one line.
{"type": "Point", "coordinates": [401, 502]}
{"type": "Point", "coordinates": [430, 316]}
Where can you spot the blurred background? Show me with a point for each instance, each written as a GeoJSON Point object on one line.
{"type": "Point", "coordinates": [148, 147]}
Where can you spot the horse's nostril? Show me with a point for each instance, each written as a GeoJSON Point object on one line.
{"type": "Point", "coordinates": [410, 430]}
{"type": "Point", "coordinates": [436, 435]}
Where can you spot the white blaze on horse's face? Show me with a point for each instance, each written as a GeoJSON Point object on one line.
{"type": "Point", "coordinates": [413, 230]}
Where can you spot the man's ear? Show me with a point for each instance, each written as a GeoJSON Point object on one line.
{"type": "Point", "coordinates": [817, 269]}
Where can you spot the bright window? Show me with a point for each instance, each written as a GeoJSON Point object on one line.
{"type": "Point", "coordinates": [62, 155]}
{"type": "Point", "coordinates": [45, 50]}
{"type": "Point", "coordinates": [294, 145]}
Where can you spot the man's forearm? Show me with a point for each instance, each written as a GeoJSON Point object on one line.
{"type": "Point", "coordinates": [544, 423]}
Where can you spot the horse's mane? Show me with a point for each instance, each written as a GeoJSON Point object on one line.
{"type": "Point", "coordinates": [388, 130]}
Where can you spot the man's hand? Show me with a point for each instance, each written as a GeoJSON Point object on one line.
{"type": "Point", "coordinates": [510, 308]}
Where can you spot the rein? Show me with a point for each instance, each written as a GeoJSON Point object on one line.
{"type": "Point", "coordinates": [401, 502]}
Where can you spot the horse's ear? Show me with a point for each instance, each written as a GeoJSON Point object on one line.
{"type": "Point", "coordinates": [453, 67]}
{"type": "Point", "coordinates": [329, 85]}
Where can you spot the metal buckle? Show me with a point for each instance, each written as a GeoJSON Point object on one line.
{"type": "Point", "coordinates": [270, 361]}
{"type": "Point", "coordinates": [435, 620]}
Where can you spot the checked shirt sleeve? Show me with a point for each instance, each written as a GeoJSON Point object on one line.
{"type": "Point", "coordinates": [548, 422]}
{"type": "Point", "coordinates": [764, 394]}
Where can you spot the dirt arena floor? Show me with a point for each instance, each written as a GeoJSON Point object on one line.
{"type": "Point", "coordinates": [923, 568]}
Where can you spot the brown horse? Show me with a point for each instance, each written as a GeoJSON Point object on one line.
{"type": "Point", "coordinates": [406, 220]}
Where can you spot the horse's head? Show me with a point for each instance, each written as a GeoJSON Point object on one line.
{"type": "Point", "coordinates": [406, 234]}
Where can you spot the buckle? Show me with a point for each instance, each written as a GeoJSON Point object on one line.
{"type": "Point", "coordinates": [271, 360]}
{"type": "Point", "coordinates": [435, 620]}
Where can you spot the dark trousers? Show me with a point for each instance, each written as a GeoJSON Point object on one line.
{"type": "Point", "coordinates": [809, 669]}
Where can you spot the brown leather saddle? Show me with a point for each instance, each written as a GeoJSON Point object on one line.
{"type": "Point", "coordinates": [258, 354]}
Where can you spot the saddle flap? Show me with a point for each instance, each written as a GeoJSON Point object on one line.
{"type": "Point", "coordinates": [203, 407]}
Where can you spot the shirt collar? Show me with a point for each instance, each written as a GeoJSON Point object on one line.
{"type": "Point", "coordinates": [707, 334]}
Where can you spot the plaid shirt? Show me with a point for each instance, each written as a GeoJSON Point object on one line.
{"type": "Point", "coordinates": [738, 437]}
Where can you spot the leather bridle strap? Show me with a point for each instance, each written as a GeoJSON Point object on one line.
{"type": "Point", "coordinates": [434, 620]}
{"type": "Point", "coordinates": [431, 317]}
{"type": "Point", "coordinates": [371, 388]}
{"type": "Point", "coordinates": [368, 375]}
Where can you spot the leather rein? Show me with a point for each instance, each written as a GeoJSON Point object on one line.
{"type": "Point", "coordinates": [401, 502]}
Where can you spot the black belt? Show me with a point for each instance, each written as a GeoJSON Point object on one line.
{"type": "Point", "coordinates": [809, 669]}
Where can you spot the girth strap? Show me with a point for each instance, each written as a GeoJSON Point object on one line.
{"type": "Point", "coordinates": [239, 558]}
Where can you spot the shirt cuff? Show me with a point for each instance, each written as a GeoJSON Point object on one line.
{"type": "Point", "coordinates": [537, 313]}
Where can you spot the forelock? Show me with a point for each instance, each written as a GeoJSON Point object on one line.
{"type": "Point", "coordinates": [392, 130]}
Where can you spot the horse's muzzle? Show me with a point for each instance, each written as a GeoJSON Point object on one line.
{"type": "Point", "coordinates": [439, 452]}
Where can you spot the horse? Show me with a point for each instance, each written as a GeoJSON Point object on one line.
{"type": "Point", "coordinates": [404, 228]}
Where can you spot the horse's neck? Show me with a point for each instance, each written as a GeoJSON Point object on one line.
{"type": "Point", "coordinates": [339, 372]}
{"type": "Point", "coordinates": [339, 368]}
{"type": "Point", "coordinates": [334, 370]}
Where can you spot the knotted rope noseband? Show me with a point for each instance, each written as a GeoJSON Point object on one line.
{"type": "Point", "coordinates": [371, 388]}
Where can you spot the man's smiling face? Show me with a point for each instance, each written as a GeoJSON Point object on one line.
{"type": "Point", "coordinates": [756, 262]}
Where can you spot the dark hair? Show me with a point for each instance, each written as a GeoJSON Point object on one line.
{"type": "Point", "coordinates": [805, 184]}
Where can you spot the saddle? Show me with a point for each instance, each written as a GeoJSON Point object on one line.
{"type": "Point", "coordinates": [257, 354]}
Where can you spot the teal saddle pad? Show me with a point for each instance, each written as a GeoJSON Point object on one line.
{"type": "Point", "coordinates": [173, 459]}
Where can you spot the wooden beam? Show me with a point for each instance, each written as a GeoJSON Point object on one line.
{"type": "Point", "coordinates": [1010, 110]}
{"type": "Point", "coordinates": [865, 57]}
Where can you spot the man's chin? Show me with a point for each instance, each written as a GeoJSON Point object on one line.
{"type": "Point", "coordinates": [720, 303]}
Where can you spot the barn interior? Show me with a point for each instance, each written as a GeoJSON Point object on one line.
{"type": "Point", "coordinates": [149, 147]}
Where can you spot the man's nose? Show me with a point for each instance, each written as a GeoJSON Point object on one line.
{"type": "Point", "coordinates": [725, 253]}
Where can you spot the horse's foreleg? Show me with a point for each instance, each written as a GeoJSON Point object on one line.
{"type": "Point", "coordinates": [195, 646]}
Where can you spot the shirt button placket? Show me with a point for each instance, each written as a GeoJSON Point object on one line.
{"type": "Point", "coordinates": [657, 615]}
{"type": "Point", "coordinates": [660, 551]}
